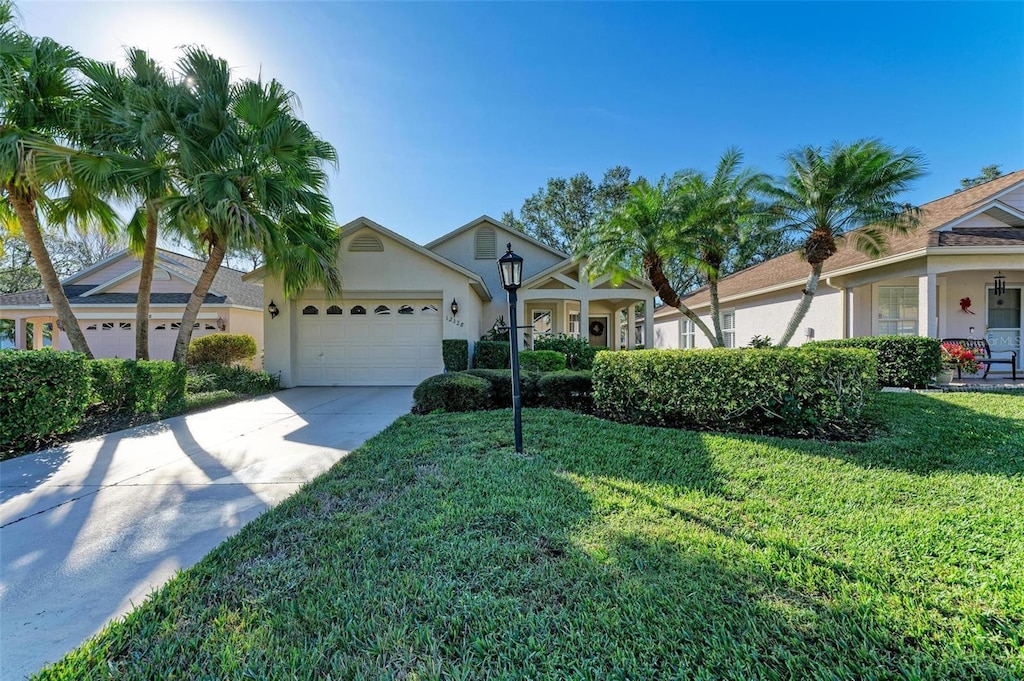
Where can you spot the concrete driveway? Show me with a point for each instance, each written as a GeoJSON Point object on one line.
{"type": "Point", "coordinates": [89, 529]}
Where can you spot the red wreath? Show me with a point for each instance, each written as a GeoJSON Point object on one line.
{"type": "Point", "coordinates": [965, 305]}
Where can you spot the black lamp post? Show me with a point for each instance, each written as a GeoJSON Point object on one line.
{"type": "Point", "coordinates": [510, 266]}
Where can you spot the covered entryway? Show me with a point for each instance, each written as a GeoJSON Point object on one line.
{"type": "Point", "coordinates": [367, 342]}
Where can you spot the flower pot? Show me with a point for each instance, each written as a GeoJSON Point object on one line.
{"type": "Point", "coordinates": [945, 377]}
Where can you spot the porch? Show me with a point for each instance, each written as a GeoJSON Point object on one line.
{"type": "Point", "coordinates": [28, 332]}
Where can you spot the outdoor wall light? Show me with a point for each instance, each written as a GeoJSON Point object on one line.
{"type": "Point", "coordinates": [221, 324]}
{"type": "Point", "coordinates": [455, 308]}
{"type": "Point", "coordinates": [971, 330]}
{"type": "Point", "coordinates": [999, 284]}
{"type": "Point", "coordinates": [510, 266]}
{"type": "Point", "coordinates": [272, 309]}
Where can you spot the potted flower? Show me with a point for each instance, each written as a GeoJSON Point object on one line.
{"type": "Point", "coordinates": [956, 357]}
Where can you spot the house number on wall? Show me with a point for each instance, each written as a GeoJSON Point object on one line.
{"type": "Point", "coordinates": [453, 320]}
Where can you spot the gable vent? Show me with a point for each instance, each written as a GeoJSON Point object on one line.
{"type": "Point", "coordinates": [366, 243]}
{"type": "Point", "coordinates": [486, 244]}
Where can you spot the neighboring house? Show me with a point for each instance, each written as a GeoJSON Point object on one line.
{"type": "Point", "coordinates": [103, 298]}
{"type": "Point", "coordinates": [921, 286]}
{"type": "Point", "coordinates": [400, 299]}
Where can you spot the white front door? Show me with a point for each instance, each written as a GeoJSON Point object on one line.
{"type": "Point", "coordinates": [367, 342]}
{"type": "Point", "coordinates": [1003, 318]}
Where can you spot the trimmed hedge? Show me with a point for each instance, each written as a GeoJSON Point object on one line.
{"type": "Point", "coordinates": [579, 353]}
{"type": "Point", "coordinates": [451, 392]}
{"type": "Point", "coordinates": [787, 391]}
{"type": "Point", "coordinates": [137, 386]}
{"type": "Point", "coordinates": [541, 360]}
{"type": "Point", "coordinates": [222, 348]}
{"type": "Point", "coordinates": [491, 355]}
{"type": "Point", "coordinates": [42, 393]}
{"type": "Point", "coordinates": [903, 361]}
{"type": "Point", "coordinates": [455, 352]}
{"type": "Point", "coordinates": [500, 381]}
{"type": "Point", "coordinates": [236, 379]}
{"type": "Point", "coordinates": [567, 390]}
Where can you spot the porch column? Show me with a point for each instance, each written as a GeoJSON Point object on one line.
{"type": "Point", "coordinates": [927, 306]}
{"type": "Point", "coordinates": [20, 333]}
{"type": "Point", "coordinates": [649, 324]}
{"type": "Point", "coordinates": [585, 318]}
{"type": "Point", "coordinates": [37, 334]}
{"type": "Point", "coordinates": [55, 335]}
{"type": "Point", "coordinates": [631, 332]}
{"type": "Point", "coordinates": [615, 330]}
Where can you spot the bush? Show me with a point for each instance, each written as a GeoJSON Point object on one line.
{"type": "Point", "coordinates": [137, 386]}
{"type": "Point", "coordinates": [455, 352]}
{"type": "Point", "coordinates": [788, 391]}
{"type": "Point", "coordinates": [500, 381]}
{"type": "Point", "coordinates": [491, 355]}
{"type": "Point", "coordinates": [222, 348]}
{"type": "Point", "coordinates": [42, 393]}
{"type": "Point", "coordinates": [903, 361]}
{"type": "Point", "coordinates": [541, 360]}
{"type": "Point", "coordinates": [237, 379]}
{"type": "Point", "coordinates": [579, 354]}
{"type": "Point", "coordinates": [451, 392]}
{"type": "Point", "coordinates": [567, 390]}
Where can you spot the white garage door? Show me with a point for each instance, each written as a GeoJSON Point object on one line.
{"type": "Point", "coordinates": [117, 338]}
{"type": "Point", "coordinates": [368, 342]}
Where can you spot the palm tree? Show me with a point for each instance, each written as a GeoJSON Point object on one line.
{"type": "Point", "coordinates": [719, 215]}
{"type": "Point", "coordinates": [38, 95]}
{"type": "Point", "coordinates": [252, 176]}
{"type": "Point", "coordinates": [130, 114]}
{"type": "Point", "coordinates": [641, 237]}
{"type": "Point", "coordinates": [849, 191]}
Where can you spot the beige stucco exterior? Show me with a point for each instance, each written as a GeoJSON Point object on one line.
{"type": "Point", "coordinates": [455, 268]}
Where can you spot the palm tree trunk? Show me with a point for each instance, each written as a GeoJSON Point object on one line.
{"type": "Point", "coordinates": [656, 275]}
{"type": "Point", "coordinates": [24, 208]}
{"type": "Point", "coordinates": [145, 284]}
{"type": "Point", "coordinates": [716, 312]}
{"type": "Point", "coordinates": [195, 301]}
{"type": "Point", "coordinates": [803, 306]}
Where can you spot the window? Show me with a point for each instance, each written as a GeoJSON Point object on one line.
{"type": "Point", "coordinates": [542, 321]}
{"type": "Point", "coordinates": [729, 329]}
{"type": "Point", "coordinates": [486, 244]}
{"type": "Point", "coordinates": [160, 327]}
{"type": "Point", "coordinates": [91, 327]}
{"type": "Point", "coordinates": [125, 326]}
{"type": "Point", "coordinates": [897, 310]}
{"type": "Point", "coordinates": [108, 326]}
{"type": "Point", "coordinates": [358, 309]}
{"type": "Point", "coordinates": [687, 334]}
{"type": "Point", "coordinates": [574, 324]}
{"type": "Point", "coordinates": [406, 309]}
{"type": "Point", "coordinates": [382, 309]}
{"type": "Point", "coordinates": [310, 309]}
{"type": "Point", "coordinates": [177, 325]}
{"type": "Point", "coordinates": [210, 327]}
{"type": "Point", "coordinates": [334, 309]}
{"type": "Point", "coordinates": [429, 309]}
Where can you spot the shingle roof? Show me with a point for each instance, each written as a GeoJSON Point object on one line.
{"type": "Point", "coordinates": [792, 268]}
{"type": "Point", "coordinates": [228, 288]}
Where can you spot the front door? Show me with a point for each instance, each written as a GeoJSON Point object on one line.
{"type": "Point", "coordinates": [598, 330]}
{"type": "Point", "coordinates": [1004, 324]}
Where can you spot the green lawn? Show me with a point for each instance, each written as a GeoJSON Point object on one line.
{"type": "Point", "coordinates": [616, 551]}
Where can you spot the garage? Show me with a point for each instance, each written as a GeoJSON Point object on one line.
{"type": "Point", "coordinates": [116, 338]}
{"type": "Point", "coordinates": [367, 342]}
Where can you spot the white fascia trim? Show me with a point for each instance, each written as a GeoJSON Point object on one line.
{"type": "Point", "coordinates": [974, 250]}
{"type": "Point", "coordinates": [97, 266]}
{"type": "Point", "coordinates": [987, 206]}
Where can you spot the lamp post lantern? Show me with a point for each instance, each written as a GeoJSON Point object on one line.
{"type": "Point", "coordinates": [510, 266]}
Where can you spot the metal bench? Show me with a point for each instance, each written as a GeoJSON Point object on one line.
{"type": "Point", "coordinates": [983, 353]}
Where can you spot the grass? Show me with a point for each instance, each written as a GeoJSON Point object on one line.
{"type": "Point", "coordinates": [615, 552]}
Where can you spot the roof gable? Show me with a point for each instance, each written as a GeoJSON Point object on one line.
{"type": "Point", "coordinates": [509, 232]}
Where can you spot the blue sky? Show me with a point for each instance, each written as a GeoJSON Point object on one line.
{"type": "Point", "coordinates": [445, 111]}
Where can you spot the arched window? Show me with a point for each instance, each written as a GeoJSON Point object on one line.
{"type": "Point", "coordinates": [334, 309]}
{"type": "Point", "coordinates": [310, 309]}
{"type": "Point", "coordinates": [358, 309]}
{"type": "Point", "coordinates": [382, 309]}
{"type": "Point", "coordinates": [429, 309]}
{"type": "Point", "coordinates": [406, 309]}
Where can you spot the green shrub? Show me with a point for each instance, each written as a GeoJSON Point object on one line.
{"type": "Point", "coordinates": [491, 355]}
{"type": "Point", "coordinates": [237, 379]}
{"type": "Point", "coordinates": [541, 360]}
{"type": "Point", "coordinates": [42, 393]}
{"type": "Point", "coordinates": [567, 390]}
{"type": "Point", "coordinates": [137, 386]}
{"type": "Point", "coordinates": [455, 352]}
{"type": "Point", "coordinates": [789, 391]}
{"type": "Point", "coordinates": [500, 381]}
{"type": "Point", "coordinates": [222, 348]}
{"type": "Point", "coordinates": [579, 354]}
{"type": "Point", "coordinates": [903, 361]}
{"type": "Point", "coordinates": [451, 392]}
